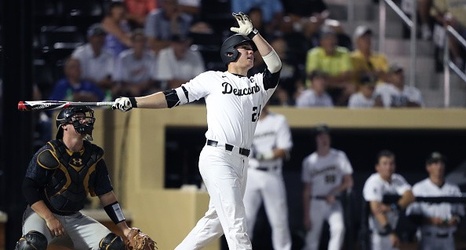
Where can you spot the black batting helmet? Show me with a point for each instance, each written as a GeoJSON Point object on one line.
{"type": "Point", "coordinates": [66, 117]}
{"type": "Point", "coordinates": [229, 53]}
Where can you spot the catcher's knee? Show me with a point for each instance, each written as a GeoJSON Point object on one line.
{"type": "Point", "coordinates": [33, 240]}
{"type": "Point", "coordinates": [111, 242]}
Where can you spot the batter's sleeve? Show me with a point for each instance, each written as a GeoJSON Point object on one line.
{"type": "Point", "coordinates": [196, 88]}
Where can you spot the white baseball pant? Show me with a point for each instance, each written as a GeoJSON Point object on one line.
{"type": "Point", "coordinates": [224, 174]}
{"type": "Point", "coordinates": [380, 242]}
{"type": "Point", "coordinates": [268, 186]}
{"type": "Point", "coordinates": [432, 242]}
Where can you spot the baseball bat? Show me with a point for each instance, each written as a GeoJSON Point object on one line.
{"type": "Point", "coordinates": [54, 104]}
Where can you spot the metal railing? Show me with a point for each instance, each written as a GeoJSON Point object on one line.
{"type": "Point", "coordinates": [449, 64]}
{"type": "Point", "coordinates": [412, 25]}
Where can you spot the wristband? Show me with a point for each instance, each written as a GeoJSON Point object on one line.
{"type": "Point", "coordinates": [114, 212]}
{"type": "Point", "coordinates": [386, 230]}
{"type": "Point", "coordinates": [133, 101]}
{"type": "Point", "coordinates": [253, 33]}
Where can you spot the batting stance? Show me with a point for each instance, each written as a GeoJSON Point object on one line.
{"type": "Point", "coordinates": [58, 179]}
{"type": "Point", "coordinates": [234, 103]}
{"type": "Point", "coordinates": [383, 218]}
{"type": "Point", "coordinates": [326, 174]}
{"type": "Point", "coordinates": [272, 143]}
{"type": "Point", "coordinates": [437, 221]}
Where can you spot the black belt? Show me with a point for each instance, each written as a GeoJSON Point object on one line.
{"type": "Point", "coordinates": [267, 168]}
{"type": "Point", "coordinates": [437, 235]}
{"type": "Point", "coordinates": [229, 147]}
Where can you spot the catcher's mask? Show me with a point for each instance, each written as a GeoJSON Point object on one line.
{"type": "Point", "coordinates": [228, 51]}
{"type": "Point", "coordinates": [82, 119]}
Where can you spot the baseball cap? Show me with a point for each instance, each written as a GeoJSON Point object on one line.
{"type": "Point", "coordinates": [435, 157]}
{"type": "Point", "coordinates": [327, 30]}
{"type": "Point", "coordinates": [96, 30]}
{"type": "Point", "coordinates": [317, 73]}
{"type": "Point", "coordinates": [321, 129]}
{"type": "Point", "coordinates": [395, 68]}
{"type": "Point", "coordinates": [367, 79]}
{"type": "Point", "coordinates": [361, 30]}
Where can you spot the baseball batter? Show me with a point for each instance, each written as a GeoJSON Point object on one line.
{"type": "Point", "coordinates": [234, 103]}
{"type": "Point", "coordinates": [437, 221]}
{"type": "Point", "coordinates": [383, 218]}
{"type": "Point", "coordinates": [58, 179]}
{"type": "Point", "coordinates": [326, 174]}
{"type": "Point", "coordinates": [272, 143]}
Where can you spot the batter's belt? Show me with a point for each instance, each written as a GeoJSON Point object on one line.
{"type": "Point", "coordinates": [229, 147]}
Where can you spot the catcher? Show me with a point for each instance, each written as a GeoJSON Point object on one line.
{"type": "Point", "coordinates": [58, 179]}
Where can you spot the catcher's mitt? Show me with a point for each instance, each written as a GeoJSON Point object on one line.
{"type": "Point", "coordinates": [137, 240]}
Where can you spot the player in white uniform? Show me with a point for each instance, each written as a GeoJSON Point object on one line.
{"type": "Point", "coordinates": [234, 103]}
{"type": "Point", "coordinates": [384, 217]}
{"type": "Point", "coordinates": [272, 143]}
{"type": "Point", "coordinates": [326, 174]}
{"type": "Point", "coordinates": [437, 221]}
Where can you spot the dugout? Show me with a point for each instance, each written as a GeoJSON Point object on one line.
{"type": "Point", "coordinates": [154, 152]}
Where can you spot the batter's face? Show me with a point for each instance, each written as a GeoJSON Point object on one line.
{"type": "Point", "coordinates": [246, 57]}
{"type": "Point", "coordinates": [386, 167]}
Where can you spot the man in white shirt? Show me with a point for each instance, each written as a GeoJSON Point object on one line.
{"type": "Point", "coordinates": [315, 95]}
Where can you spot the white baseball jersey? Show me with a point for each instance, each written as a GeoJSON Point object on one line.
{"type": "Point", "coordinates": [374, 190]}
{"type": "Point", "coordinates": [358, 100]}
{"type": "Point", "coordinates": [324, 173]}
{"type": "Point", "coordinates": [394, 97]}
{"type": "Point", "coordinates": [93, 67]}
{"type": "Point", "coordinates": [308, 98]}
{"type": "Point", "coordinates": [426, 188]}
{"type": "Point", "coordinates": [128, 68]}
{"type": "Point", "coordinates": [169, 67]}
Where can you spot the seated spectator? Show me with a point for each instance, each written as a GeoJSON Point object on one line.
{"type": "Point", "coordinates": [96, 62]}
{"type": "Point", "coordinates": [395, 93]}
{"type": "Point", "coordinates": [117, 28]}
{"type": "Point", "coordinates": [315, 95]}
{"type": "Point", "coordinates": [365, 97]}
{"type": "Point", "coordinates": [73, 88]}
{"type": "Point", "coordinates": [272, 11]}
{"type": "Point", "coordinates": [138, 11]}
{"type": "Point", "coordinates": [178, 64]}
{"type": "Point", "coordinates": [135, 68]}
{"type": "Point", "coordinates": [336, 62]}
{"type": "Point", "coordinates": [163, 23]}
{"type": "Point", "coordinates": [364, 59]}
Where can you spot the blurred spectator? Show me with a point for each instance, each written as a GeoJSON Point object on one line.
{"type": "Point", "coordinates": [364, 59]}
{"type": "Point", "coordinates": [257, 18]}
{"type": "Point", "coordinates": [178, 64]}
{"type": "Point", "coordinates": [191, 7]}
{"type": "Point", "coordinates": [96, 62]}
{"type": "Point", "coordinates": [315, 95]}
{"type": "Point", "coordinates": [395, 93]}
{"type": "Point", "coordinates": [138, 11]}
{"type": "Point", "coordinates": [117, 28]}
{"type": "Point", "coordinates": [135, 68]}
{"type": "Point", "coordinates": [163, 23]}
{"type": "Point", "coordinates": [43, 123]}
{"type": "Point", "coordinates": [424, 19]}
{"type": "Point", "coordinates": [365, 97]}
{"type": "Point", "coordinates": [336, 62]}
{"type": "Point", "coordinates": [307, 8]}
{"type": "Point", "coordinates": [73, 88]}
{"type": "Point", "coordinates": [272, 11]}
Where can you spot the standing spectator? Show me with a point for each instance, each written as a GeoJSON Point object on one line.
{"type": "Point", "coordinates": [138, 11]}
{"type": "Point", "coordinates": [364, 59]}
{"type": "Point", "coordinates": [96, 62]}
{"type": "Point", "coordinates": [384, 217]}
{"type": "Point", "coordinates": [178, 63]}
{"type": "Point", "coordinates": [335, 61]}
{"type": "Point", "coordinates": [437, 221]}
{"type": "Point", "coordinates": [366, 96]}
{"type": "Point", "coordinates": [163, 23]}
{"type": "Point", "coordinates": [395, 93]}
{"type": "Point", "coordinates": [272, 11]}
{"type": "Point", "coordinates": [327, 175]}
{"type": "Point", "coordinates": [271, 145]}
{"type": "Point", "coordinates": [73, 88]}
{"type": "Point", "coordinates": [316, 95]}
{"type": "Point", "coordinates": [117, 27]}
{"type": "Point", "coordinates": [135, 68]}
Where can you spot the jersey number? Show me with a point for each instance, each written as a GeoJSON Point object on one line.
{"type": "Point", "coordinates": [256, 113]}
{"type": "Point", "coordinates": [330, 178]}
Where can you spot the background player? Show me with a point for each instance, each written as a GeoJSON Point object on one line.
{"type": "Point", "coordinates": [437, 221]}
{"type": "Point", "coordinates": [326, 174]}
{"type": "Point", "coordinates": [272, 143]}
{"type": "Point", "coordinates": [234, 103]}
{"type": "Point", "coordinates": [383, 218]}
{"type": "Point", "coordinates": [58, 179]}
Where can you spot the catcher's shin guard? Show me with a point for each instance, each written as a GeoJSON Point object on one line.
{"type": "Point", "coordinates": [111, 242]}
{"type": "Point", "coordinates": [33, 240]}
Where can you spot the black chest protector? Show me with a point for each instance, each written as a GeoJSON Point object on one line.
{"type": "Point", "coordinates": [72, 180]}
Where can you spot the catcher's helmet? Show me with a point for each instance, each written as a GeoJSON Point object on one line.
{"type": "Point", "coordinates": [229, 53]}
{"type": "Point", "coordinates": [68, 116]}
